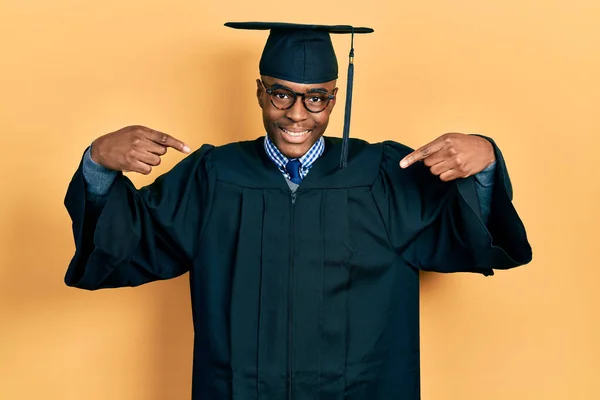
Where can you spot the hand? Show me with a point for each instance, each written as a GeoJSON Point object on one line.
{"type": "Point", "coordinates": [453, 155]}
{"type": "Point", "coordinates": [134, 148]}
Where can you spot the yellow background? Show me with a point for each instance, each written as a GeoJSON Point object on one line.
{"type": "Point", "coordinates": [525, 72]}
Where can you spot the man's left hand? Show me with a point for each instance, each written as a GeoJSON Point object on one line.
{"type": "Point", "coordinates": [453, 156]}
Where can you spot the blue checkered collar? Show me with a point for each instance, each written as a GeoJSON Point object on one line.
{"type": "Point", "coordinates": [307, 160]}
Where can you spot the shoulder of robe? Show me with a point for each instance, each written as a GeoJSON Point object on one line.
{"type": "Point", "coordinates": [362, 169]}
{"type": "Point", "coordinates": [413, 177]}
{"type": "Point", "coordinates": [198, 160]}
{"type": "Point", "coordinates": [245, 164]}
{"type": "Point", "coordinates": [395, 150]}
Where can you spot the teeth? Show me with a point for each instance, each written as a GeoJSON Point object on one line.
{"type": "Point", "coordinates": [296, 134]}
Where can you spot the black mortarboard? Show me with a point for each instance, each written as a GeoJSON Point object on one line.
{"type": "Point", "coordinates": [304, 54]}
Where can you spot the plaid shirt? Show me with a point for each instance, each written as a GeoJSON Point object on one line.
{"type": "Point", "coordinates": [306, 161]}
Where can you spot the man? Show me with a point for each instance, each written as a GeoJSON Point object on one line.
{"type": "Point", "coordinates": [303, 251]}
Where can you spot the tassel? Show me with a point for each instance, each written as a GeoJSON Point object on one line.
{"type": "Point", "coordinates": [348, 110]}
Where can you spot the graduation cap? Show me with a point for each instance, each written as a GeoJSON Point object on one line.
{"type": "Point", "coordinates": [304, 53]}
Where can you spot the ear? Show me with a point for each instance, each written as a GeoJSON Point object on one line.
{"type": "Point", "coordinates": [259, 93]}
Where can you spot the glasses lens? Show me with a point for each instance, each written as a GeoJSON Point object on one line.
{"type": "Point", "coordinates": [316, 101]}
{"type": "Point", "coordinates": [282, 98]}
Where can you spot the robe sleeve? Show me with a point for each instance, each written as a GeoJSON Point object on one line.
{"type": "Point", "coordinates": [437, 226]}
{"type": "Point", "coordinates": [139, 236]}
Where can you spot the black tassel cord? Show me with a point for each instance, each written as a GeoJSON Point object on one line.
{"type": "Point", "coordinates": [346, 132]}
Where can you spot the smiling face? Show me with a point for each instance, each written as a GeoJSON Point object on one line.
{"type": "Point", "coordinates": [294, 130]}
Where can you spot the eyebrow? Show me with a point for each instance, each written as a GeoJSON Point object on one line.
{"type": "Point", "coordinates": [318, 90]}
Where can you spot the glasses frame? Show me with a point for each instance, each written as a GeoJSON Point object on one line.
{"type": "Point", "coordinates": [276, 86]}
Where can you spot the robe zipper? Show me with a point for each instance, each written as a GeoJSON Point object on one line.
{"type": "Point", "coordinates": [291, 300]}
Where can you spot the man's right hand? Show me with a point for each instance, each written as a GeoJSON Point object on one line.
{"type": "Point", "coordinates": [134, 148]}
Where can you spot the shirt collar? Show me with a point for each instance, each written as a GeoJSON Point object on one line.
{"type": "Point", "coordinates": [307, 160]}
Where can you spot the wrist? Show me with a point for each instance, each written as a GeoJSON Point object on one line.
{"type": "Point", "coordinates": [91, 165]}
{"type": "Point", "coordinates": [94, 154]}
{"type": "Point", "coordinates": [491, 154]}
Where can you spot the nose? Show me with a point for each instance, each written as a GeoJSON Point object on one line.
{"type": "Point", "coordinates": [297, 112]}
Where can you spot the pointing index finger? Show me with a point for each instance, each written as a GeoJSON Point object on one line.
{"type": "Point", "coordinates": [422, 153]}
{"type": "Point", "coordinates": [166, 140]}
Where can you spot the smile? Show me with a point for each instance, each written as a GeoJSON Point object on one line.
{"type": "Point", "coordinates": [295, 134]}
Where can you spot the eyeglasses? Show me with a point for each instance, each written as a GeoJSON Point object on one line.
{"type": "Point", "coordinates": [284, 98]}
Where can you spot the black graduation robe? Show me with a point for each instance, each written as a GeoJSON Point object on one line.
{"type": "Point", "coordinates": [307, 296]}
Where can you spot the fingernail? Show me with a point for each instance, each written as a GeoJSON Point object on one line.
{"type": "Point", "coordinates": [403, 163]}
{"type": "Point", "coordinates": [186, 149]}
